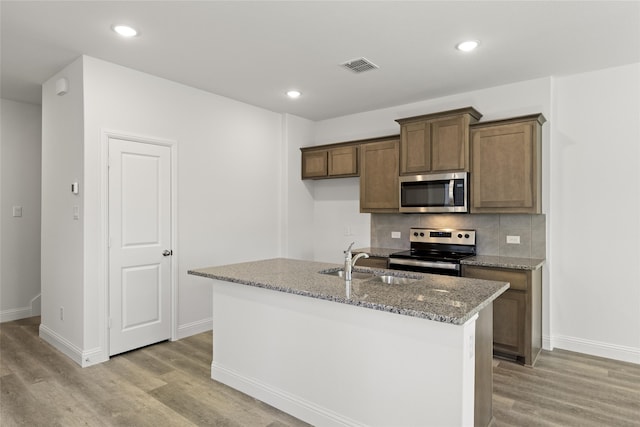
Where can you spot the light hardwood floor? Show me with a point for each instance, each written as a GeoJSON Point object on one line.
{"type": "Point", "coordinates": [168, 384]}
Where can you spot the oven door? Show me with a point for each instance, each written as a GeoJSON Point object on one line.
{"type": "Point", "coordinates": [423, 266]}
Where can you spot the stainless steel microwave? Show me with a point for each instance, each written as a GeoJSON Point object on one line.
{"type": "Point", "coordinates": [437, 193]}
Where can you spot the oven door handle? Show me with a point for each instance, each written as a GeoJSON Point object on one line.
{"type": "Point", "coordinates": [428, 264]}
{"type": "Point", "coordinates": [452, 201]}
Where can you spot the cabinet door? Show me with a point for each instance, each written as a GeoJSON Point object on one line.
{"type": "Point", "coordinates": [505, 169]}
{"type": "Point", "coordinates": [449, 144]}
{"type": "Point", "coordinates": [415, 148]}
{"type": "Point", "coordinates": [379, 176]}
{"type": "Point", "coordinates": [510, 315]}
{"type": "Point", "coordinates": [509, 322]}
{"type": "Point", "coordinates": [343, 161]}
{"type": "Point", "coordinates": [314, 164]}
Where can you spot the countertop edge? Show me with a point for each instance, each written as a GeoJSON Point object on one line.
{"type": "Point", "coordinates": [504, 262]}
{"type": "Point", "coordinates": [515, 263]}
{"type": "Point", "coordinates": [358, 303]}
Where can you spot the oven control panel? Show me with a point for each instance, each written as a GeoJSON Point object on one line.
{"type": "Point", "coordinates": [442, 235]}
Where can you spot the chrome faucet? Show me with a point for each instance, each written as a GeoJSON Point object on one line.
{"type": "Point", "coordinates": [350, 261]}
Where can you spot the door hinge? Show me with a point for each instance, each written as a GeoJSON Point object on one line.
{"type": "Point", "coordinates": [109, 241]}
{"type": "Point", "coordinates": [109, 323]}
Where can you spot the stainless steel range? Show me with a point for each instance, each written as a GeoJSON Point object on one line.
{"type": "Point", "coordinates": [437, 251]}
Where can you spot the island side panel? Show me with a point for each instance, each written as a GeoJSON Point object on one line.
{"type": "Point", "coordinates": [336, 364]}
{"type": "Point", "coordinates": [483, 411]}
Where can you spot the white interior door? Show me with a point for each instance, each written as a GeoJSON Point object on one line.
{"type": "Point", "coordinates": [139, 244]}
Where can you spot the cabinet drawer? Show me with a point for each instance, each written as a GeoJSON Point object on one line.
{"type": "Point", "coordinates": [518, 279]}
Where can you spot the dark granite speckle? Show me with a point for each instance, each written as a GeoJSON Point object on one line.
{"type": "Point", "coordinates": [433, 297]}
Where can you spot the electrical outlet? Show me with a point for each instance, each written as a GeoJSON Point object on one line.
{"type": "Point", "coordinates": [513, 240]}
{"type": "Point", "coordinates": [395, 234]}
{"type": "Point", "coordinates": [61, 313]}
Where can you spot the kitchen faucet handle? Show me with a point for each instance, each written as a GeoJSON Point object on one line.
{"type": "Point", "coordinates": [349, 248]}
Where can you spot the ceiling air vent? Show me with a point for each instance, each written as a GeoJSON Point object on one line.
{"type": "Point", "coordinates": [360, 65]}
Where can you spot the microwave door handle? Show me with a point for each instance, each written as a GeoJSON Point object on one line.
{"type": "Point", "coordinates": [452, 202]}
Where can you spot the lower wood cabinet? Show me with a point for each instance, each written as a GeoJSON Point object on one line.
{"type": "Point", "coordinates": [517, 313]}
{"type": "Point", "coordinates": [379, 172]}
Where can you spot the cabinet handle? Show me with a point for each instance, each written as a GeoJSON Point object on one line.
{"type": "Point", "coordinates": [452, 202]}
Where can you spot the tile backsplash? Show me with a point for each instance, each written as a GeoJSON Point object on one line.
{"type": "Point", "coordinates": [491, 231]}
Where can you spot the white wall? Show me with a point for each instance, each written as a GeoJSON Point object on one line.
{"type": "Point", "coordinates": [336, 204]}
{"type": "Point", "coordinates": [225, 148]}
{"type": "Point", "coordinates": [337, 219]}
{"type": "Point", "coordinates": [591, 283]}
{"type": "Point", "coordinates": [297, 218]}
{"type": "Point", "coordinates": [595, 226]}
{"type": "Point", "coordinates": [230, 192]}
{"type": "Point", "coordinates": [20, 154]}
{"type": "Point", "coordinates": [62, 250]}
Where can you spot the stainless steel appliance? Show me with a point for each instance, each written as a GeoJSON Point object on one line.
{"type": "Point", "coordinates": [436, 193]}
{"type": "Point", "coordinates": [437, 251]}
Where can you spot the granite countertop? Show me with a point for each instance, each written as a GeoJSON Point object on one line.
{"type": "Point", "coordinates": [479, 260]}
{"type": "Point", "coordinates": [434, 297]}
{"type": "Point", "coordinates": [504, 262]}
{"type": "Point", "coordinates": [377, 252]}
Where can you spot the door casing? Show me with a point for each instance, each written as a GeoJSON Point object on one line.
{"type": "Point", "coordinates": [104, 279]}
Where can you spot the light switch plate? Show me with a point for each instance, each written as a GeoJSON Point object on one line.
{"type": "Point", "coordinates": [513, 240]}
{"type": "Point", "coordinates": [395, 234]}
{"type": "Point", "coordinates": [17, 211]}
{"type": "Point", "coordinates": [76, 212]}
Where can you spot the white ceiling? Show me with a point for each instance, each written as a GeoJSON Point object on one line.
{"type": "Point", "coordinates": [255, 51]}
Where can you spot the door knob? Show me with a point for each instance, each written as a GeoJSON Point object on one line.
{"type": "Point", "coordinates": [167, 252]}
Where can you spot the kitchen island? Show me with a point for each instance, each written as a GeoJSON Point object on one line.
{"type": "Point", "coordinates": [285, 332]}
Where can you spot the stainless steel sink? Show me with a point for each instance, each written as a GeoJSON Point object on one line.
{"type": "Point", "coordinates": [395, 280]}
{"type": "Point", "coordinates": [389, 279]}
{"type": "Point", "coordinates": [355, 275]}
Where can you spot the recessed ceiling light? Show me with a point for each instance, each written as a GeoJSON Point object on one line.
{"type": "Point", "coordinates": [125, 30]}
{"type": "Point", "coordinates": [294, 94]}
{"type": "Point", "coordinates": [467, 46]}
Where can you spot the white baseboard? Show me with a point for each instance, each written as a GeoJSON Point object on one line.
{"type": "Point", "coordinates": [22, 312]}
{"type": "Point", "coordinates": [596, 348]}
{"type": "Point", "coordinates": [36, 305]}
{"type": "Point", "coordinates": [15, 314]}
{"type": "Point", "coordinates": [83, 358]}
{"type": "Point", "coordinates": [546, 343]}
{"type": "Point", "coordinates": [194, 328]}
{"type": "Point", "coordinates": [291, 404]}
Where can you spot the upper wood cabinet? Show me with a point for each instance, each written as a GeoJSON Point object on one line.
{"type": "Point", "coordinates": [379, 176]}
{"type": "Point", "coordinates": [436, 142]}
{"type": "Point", "coordinates": [314, 164]}
{"type": "Point", "coordinates": [325, 162]}
{"type": "Point", "coordinates": [506, 165]}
